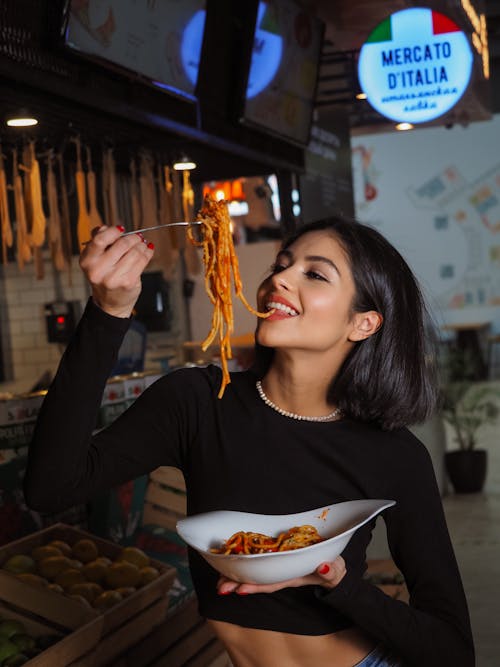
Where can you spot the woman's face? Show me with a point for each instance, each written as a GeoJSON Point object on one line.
{"type": "Point", "coordinates": [311, 289]}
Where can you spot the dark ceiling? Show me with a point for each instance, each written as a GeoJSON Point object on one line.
{"type": "Point", "coordinates": [348, 24]}
{"type": "Point", "coordinates": [73, 96]}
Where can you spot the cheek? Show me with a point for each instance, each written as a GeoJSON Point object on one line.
{"type": "Point", "coordinates": [261, 292]}
{"type": "Point", "coordinates": [333, 312]}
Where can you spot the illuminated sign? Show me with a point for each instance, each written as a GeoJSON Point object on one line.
{"type": "Point", "coordinates": [415, 65]}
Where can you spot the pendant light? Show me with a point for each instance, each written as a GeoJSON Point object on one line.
{"type": "Point", "coordinates": [184, 163]}
{"type": "Point", "coordinates": [21, 118]}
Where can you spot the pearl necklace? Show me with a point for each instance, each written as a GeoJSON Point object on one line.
{"type": "Point", "coordinates": [293, 415]}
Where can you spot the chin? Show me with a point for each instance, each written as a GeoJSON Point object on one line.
{"type": "Point", "coordinates": [262, 339]}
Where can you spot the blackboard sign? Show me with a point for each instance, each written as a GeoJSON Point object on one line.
{"type": "Point", "coordinates": [326, 186]}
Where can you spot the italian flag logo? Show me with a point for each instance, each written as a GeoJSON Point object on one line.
{"type": "Point", "coordinates": [415, 65]}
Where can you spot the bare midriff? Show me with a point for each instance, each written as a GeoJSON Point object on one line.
{"type": "Point", "coordinates": [250, 647]}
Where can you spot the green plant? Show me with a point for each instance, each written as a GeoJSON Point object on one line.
{"type": "Point", "coordinates": [466, 405]}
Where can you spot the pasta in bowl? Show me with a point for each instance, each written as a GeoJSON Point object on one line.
{"type": "Point", "coordinates": [211, 533]}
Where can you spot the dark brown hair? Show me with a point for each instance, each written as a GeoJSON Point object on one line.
{"type": "Point", "coordinates": [389, 378]}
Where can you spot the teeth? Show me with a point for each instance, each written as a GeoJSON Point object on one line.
{"type": "Point", "coordinates": [276, 305]}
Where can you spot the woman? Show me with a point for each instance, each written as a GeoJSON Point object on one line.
{"type": "Point", "coordinates": [343, 349]}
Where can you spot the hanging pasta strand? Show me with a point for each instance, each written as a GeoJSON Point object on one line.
{"type": "Point", "coordinates": [65, 217]}
{"type": "Point", "coordinates": [54, 218]}
{"type": "Point", "coordinates": [190, 255]}
{"type": "Point", "coordinates": [93, 211]}
{"type": "Point", "coordinates": [39, 221]}
{"type": "Point", "coordinates": [135, 205]}
{"type": "Point", "coordinates": [22, 238]}
{"type": "Point", "coordinates": [83, 225]}
{"type": "Point", "coordinates": [5, 224]}
{"type": "Point", "coordinates": [220, 260]}
{"type": "Point", "coordinates": [166, 255]}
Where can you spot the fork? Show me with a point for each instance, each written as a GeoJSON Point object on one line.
{"type": "Point", "coordinates": [151, 229]}
{"type": "Point", "coordinates": [168, 224]}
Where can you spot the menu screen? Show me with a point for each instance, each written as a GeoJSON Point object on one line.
{"type": "Point", "coordinates": [283, 70]}
{"type": "Point", "coordinates": [159, 39]}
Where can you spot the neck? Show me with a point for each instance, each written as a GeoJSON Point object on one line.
{"type": "Point", "coordinates": [299, 387]}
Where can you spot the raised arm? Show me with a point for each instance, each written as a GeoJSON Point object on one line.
{"type": "Point", "coordinates": [59, 452]}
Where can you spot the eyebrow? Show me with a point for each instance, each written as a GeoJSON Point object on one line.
{"type": "Point", "coordinates": [312, 258]}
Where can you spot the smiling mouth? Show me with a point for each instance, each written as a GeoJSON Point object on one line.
{"type": "Point", "coordinates": [280, 307]}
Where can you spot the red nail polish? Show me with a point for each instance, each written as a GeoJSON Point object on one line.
{"type": "Point", "coordinates": [223, 592]}
{"type": "Point", "coordinates": [120, 228]}
{"type": "Point", "coordinates": [324, 569]}
{"type": "Point", "coordinates": [242, 592]}
{"type": "Point", "coordinates": [139, 234]}
{"type": "Point", "coordinates": [151, 246]}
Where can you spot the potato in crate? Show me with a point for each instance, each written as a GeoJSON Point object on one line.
{"type": "Point", "coordinates": [26, 639]}
{"type": "Point", "coordinates": [70, 577]}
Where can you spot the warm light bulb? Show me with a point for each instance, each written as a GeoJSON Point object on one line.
{"type": "Point", "coordinates": [219, 195]}
{"type": "Point", "coordinates": [404, 126]}
{"type": "Point", "coordinates": [184, 164]}
{"type": "Point", "coordinates": [361, 96]}
{"type": "Point", "coordinates": [21, 122]}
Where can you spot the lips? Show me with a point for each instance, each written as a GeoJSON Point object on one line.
{"type": "Point", "coordinates": [281, 307]}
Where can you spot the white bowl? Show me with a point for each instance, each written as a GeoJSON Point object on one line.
{"type": "Point", "coordinates": [336, 523]}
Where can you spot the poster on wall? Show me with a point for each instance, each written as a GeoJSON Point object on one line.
{"type": "Point", "coordinates": [436, 194]}
{"type": "Point", "coordinates": [326, 185]}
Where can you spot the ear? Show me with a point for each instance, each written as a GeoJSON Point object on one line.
{"type": "Point", "coordinates": [365, 324]}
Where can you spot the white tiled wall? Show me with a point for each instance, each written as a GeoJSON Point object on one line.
{"type": "Point", "coordinates": [30, 353]}
{"type": "Point", "coordinates": [27, 349]}
{"type": "Point", "coordinates": [25, 296]}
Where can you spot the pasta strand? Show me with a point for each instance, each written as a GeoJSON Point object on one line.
{"type": "Point", "coordinates": [220, 261]}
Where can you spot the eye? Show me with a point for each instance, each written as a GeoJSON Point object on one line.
{"type": "Point", "coordinates": [277, 268]}
{"type": "Point", "coordinates": [313, 275]}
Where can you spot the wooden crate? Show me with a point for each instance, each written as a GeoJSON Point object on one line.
{"type": "Point", "coordinates": [69, 647]}
{"type": "Point", "coordinates": [165, 501]}
{"type": "Point", "coordinates": [160, 640]}
{"type": "Point", "coordinates": [188, 646]}
{"type": "Point", "coordinates": [183, 639]}
{"type": "Point", "coordinates": [66, 612]}
{"type": "Point", "coordinates": [114, 643]}
{"type": "Point", "coordinates": [212, 655]}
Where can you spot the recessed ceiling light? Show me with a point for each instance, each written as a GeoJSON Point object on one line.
{"type": "Point", "coordinates": [404, 126]}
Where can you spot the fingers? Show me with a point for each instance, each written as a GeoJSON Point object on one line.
{"type": "Point", "coordinates": [331, 574]}
{"type": "Point", "coordinates": [226, 586]}
{"type": "Point", "coordinates": [109, 252]}
{"type": "Point", "coordinates": [113, 265]}
{"type": "Point", "coordinates": [327, 575]}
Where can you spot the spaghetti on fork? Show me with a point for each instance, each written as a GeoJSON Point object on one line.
{"type": "Point", "coordinates": [220, 261]}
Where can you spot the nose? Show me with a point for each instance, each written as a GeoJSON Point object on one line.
{"type": "Point", "coordinates": [282, 279]}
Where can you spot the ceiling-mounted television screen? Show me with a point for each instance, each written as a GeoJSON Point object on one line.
{"type": "Point", "coordinates": [283, 71]}
{"type": "Point", "coordinates": [160, 40]}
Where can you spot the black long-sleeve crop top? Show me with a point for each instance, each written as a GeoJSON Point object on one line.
{"type": "Point", "coordinates": [237, 453]}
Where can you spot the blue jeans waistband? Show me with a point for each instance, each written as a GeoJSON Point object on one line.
{"type": "Point", "coordinates": [380, 657]}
